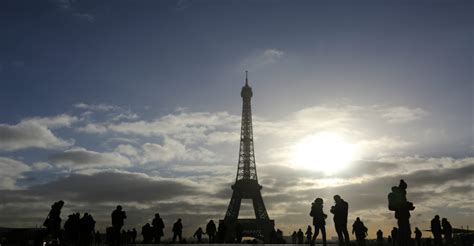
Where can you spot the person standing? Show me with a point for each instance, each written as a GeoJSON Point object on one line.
{"type": "Point", "coordinates": [178, 231]}
{"type": "Point", "coordinates": [158, 227]}
{"type": "Point", "coordinates": [309, 234]}
{"type": "Point", "coordinates": [294, 238]}
{"type": "Point", "coordinates": [436, 230]}
{"type": "Point", "coordinates": [319, 219]}
{"type": "Point", "coordinates": [394, 234]}
{"type": "Point", "coordinates": [211, 231]}
{"type": "Point", "coordinates": [300, 236]}
{"type": "Point", "coordinates": [380, 237]}
{"type": "Point", "coordinates": [53, 221]}
{"type": "Point", "coordinates": [397, 201]}
{"type": "Point", "coordinates": [118, 219]}
{"type": "Point", "coordinates": [418, 236]}
{"type": "Point", "coordinates": [198, 234]}
{"type": "Point", "coordinates": [340, 211]}
{"type": "Point", "coordinates": [360, 231]}
{"type": "Point", "coordinates": [447, 231]}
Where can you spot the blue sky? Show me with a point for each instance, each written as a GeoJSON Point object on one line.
{"type": "Point", "coordinates": [149, 90]}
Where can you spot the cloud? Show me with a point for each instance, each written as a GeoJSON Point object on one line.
{"type": "Point", "coordinates": [170, 150]}
{"type": "Point", "coordinates": [84, 16]}
{"type": "Point", "coordinates": [112, 187]}
{"type": "Point", "coordinates": [34, 133]}
{"type": "Point", "coordinates": [11, 170]}
{"type": "Point", "coordinates": [96, 107]}
{"type": "Point", "coordinates": [92, 128]}
{"type": "Point", "coordinates": [262, 58]}
{"type": "Point", "coordinates": [399, 115]}
{"type": "Point", "coordinates": [80, 158]}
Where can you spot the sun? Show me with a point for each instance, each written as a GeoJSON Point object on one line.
{"type": "Point", "coordinates": [326, 152]}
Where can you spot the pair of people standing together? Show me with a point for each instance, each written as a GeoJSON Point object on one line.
{"type": "Point", "coordinates": [340, 211]}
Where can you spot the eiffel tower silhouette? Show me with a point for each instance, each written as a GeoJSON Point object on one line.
{"type": "Point", "coordinates": [246, 183]}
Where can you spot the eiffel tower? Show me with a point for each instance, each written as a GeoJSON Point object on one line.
{"type": "Point", "coordinates": [246, 183]}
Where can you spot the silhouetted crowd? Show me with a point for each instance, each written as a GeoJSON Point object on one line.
{"type": "Point", "coordinates": [81, 230]}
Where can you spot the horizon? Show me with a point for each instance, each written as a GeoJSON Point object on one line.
{"type": "Point", "coordinates": [138, 104]}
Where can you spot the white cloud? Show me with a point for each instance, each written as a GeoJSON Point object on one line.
{"type": "Point", "coordinates": [96, 107]}
{"type": "Point", "coordinates": [11, 170]}
{"type": "Point", "coordinates": [402, 114]}
{"type": "Point", "coordinates": [262, 58]}
{"type": "Point", "coordinates": [34, 133]}
{"type": "Point", "coordinates": [92, 128]}
{"type": "Point", "coordinates": [41, 165]}
{"type": "Point", "coordinates": [170, 150]}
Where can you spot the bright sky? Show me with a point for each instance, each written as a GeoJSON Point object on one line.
{"type": "Point", "coordinates": [138, 103]}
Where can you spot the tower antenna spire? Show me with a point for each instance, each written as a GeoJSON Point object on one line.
{"type": "Point", "coordinates": [246, 78]}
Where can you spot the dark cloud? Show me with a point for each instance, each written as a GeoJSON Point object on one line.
{"type": "Point", "coordinates": [104, 187]}
{"type": "Point", "coordinates": [80, 158]}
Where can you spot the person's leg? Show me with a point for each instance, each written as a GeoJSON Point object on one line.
{"type": "Point", "coordinates": [340, 235]}
{"type": "Point", "coordinates": [316, 232]}
{"type": "Point", "coordinates": [323, 233]}
{"type": "Point", "coordinates": [346, 234]}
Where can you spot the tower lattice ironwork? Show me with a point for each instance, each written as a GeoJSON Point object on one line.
{"type": "Point", "coordinates": [246, 183]}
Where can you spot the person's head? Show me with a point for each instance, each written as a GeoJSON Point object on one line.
{"type": "Point", "coordinates": [337, 198]}
{"type": "Point", "coordinates": [394, 188]}
{"type": "Point", "coordinates": [444, 219]}
{"type": "Point", "coordinates": [60, 203]}
{"type": "Point", "coordinates": [119, 208]}
{"type": "Point", "coordinates": [357, 219]}
{"type": "Point", "coordinates": [436, 217]}
{"type": "Point", "coordinates": [179, 220]}
{"type": "Point", "coordinates": [318, 201]}
{"type": "Point", "coordinates": [211, 221]}
{"type": "Point", "coordinates": [157, 215]}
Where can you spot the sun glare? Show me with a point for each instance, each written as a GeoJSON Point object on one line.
{"type": "Point", "coordinates": [326, 152]}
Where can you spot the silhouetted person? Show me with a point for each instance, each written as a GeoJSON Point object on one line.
{"type": "Point", "coordinates": [71, 229]}
{"type": "Point", "coordinates": [86, 229]}
{"type": "Point", "coordinates": [380, 237]}
{"type": "Point", "coordinates": [397, 202]}
{"type": "Point", "coordinates": [319, 219]}
{"type": "Point", "coordinates": [418, 236]}
{"type": "Point", "coordinates": [97, 238]}
{"type": "Point", "coordinates": [436, 230]}
{"type": "Point", "coordinates": [147, 233]}
{"type": "Point", "coordinates": [309, 234]}
{"type": "Point", "coordinates": [134, 235]}
{"type": "Point", "coordinates": [123, 237]}
{"type": "Point", "coordinates": [280, 239]}
{"type": "Point", "coordinates": [294, 238]}
{"type": "Point", "coordinates": [53, 220]}
{"type": "Point", "coordinates": [118, 218]}
{"type": "Point", "coordinates": [340, 211]}
{"type": "Point", "coordinates": [198, 234]}
{"type": "Point", "coordinates": [158, 227]}
{"type": "Point", "coordinates": [389, 240]}
{"type": "Point", "coordinates": [221, 232]}
{"type": "Point", "coordinates": [239, 232]}
{"type": "Point", "coordinates": [360, 231]}
{"type": "Point", "coordinates": [394, 236]}
{"type": "Point", "coordinates": [300, 236]}
{"type": "Point", "coordinates": [447, 231]}
{"type": "Point", "coordinates": [178, 231]}
{"type": "Point", "coordinates": [211, 231]}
